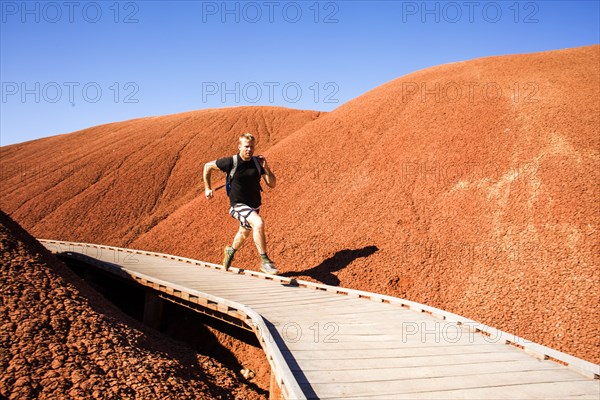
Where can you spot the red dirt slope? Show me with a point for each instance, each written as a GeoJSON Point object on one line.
{"type": "Point", "coordinates": [114, 182]}
{"type": "Point", "coordinates": [483, 203]}
{"type": "Point", "coordinates": [59, 339]}
{"type": "Point", "coordinates": [470, 186]}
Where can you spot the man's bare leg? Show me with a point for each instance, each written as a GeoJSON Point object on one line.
{"type": "Point", "coordinates": [258, 232]}
{"type": "Point", "coordinates": [241, 235]}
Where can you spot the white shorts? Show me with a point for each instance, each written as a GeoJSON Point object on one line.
{"type": "Point", "coordinates": [241, 212]}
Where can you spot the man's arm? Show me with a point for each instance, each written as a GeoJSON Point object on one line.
{"type": "Point", "coordinates": [269, 176]}
{"type": "Point", "coordinates": [208, 168]}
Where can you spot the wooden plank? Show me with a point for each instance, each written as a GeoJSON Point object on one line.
{"type": "Point", "coordinates": [411, 386]}
{"type": "Point", "coordinates": [269, 298]}
{"type": "Point", "coordinates": [253, 288]}
{"type": "Point", "coordinates": [258, 295]}
{"type": "Point", "coordinates": [188, 270]}
{"type": "Point", "coordinates": [274, 294]}
{"type": "Point", "coordinates": [301, 311]}
{"type": "Point", "coordinates": [349, 343]}
{"type": "Point", "coordinates": [409, 329]}
{"type": "Point", "coordinates": [207, 288]}
{"type": "Point", "coordinates": [332, 310]}
{"type": "Point", "coordinates": [382, 354]}
{"type": "Point", "coordinates": [368, 361]}
{"type": "Point", "coordinates": [573, 390]}
{"type": "Point", "coordinates": [157, 266]}
{"type": "Point", "coordinates": [273, 304]}
{"type": "Point", "coordinates": [425, 371]}
{"type": "Point", "coordinates": [214, 286]}
{"type": "Point", "coordinates": [347, 319]}
{"type": "Point", "coordinates": [350, 304]}
{"type": "Point", "coordinates": [222, 278]}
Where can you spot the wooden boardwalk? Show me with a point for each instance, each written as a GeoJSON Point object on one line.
{"type": "Point", "coordinates": [333, 343]}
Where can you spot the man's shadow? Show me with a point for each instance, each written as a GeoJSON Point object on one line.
{"type": "Point", "coordinates": [340, 260]}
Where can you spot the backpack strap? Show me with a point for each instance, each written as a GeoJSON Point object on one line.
{"type": "Point", "coordinates": [229, 176]}
{"type": "Point", "coordinates": [258, 167]}
{"type": "Point", "coordinates": [233, 168]}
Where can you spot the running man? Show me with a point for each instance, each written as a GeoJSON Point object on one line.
{"type": "Point", "coordinates": [244, 197]}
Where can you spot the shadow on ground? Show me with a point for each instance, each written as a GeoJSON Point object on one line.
{"type": "Point", "coordinates": [340, 260]}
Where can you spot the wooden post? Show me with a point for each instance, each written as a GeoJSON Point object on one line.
{"type": "Point", "coordinates": [153, 310]}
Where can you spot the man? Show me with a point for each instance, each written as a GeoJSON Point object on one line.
{"type": "Point", "coordinates": [244, 197]}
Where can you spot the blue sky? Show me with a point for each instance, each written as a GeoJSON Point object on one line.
{"type": "Point", "coordinates": [69, 65]}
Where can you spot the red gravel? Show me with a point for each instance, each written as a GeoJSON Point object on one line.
{"type": "Point", "coordinates": [59, 339]}
{"type": "Point", "coordinates": [476, 181]}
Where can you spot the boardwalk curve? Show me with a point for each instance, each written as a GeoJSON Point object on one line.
{"type": "Point", "coordinates": [329, 342]}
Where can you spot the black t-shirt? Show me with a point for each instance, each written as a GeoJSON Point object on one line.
{"type": "Point", "coordinates": [245, 185]}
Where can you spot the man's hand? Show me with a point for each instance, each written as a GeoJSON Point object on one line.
{"type": "Point", "coordinates": [263, 161]}
{"type": "Point", "coordinates": [269, 176]}
{"type": "Point", "coordinates": [208, 168]}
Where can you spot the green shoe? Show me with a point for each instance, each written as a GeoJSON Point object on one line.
{"type": "Point", "coordinates": [228, 256]}
{"type": "Point", "coordinates": [268, 267]}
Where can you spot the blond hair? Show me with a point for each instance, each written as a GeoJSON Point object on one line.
{"type": "Point", "coordinates": [247, 136]}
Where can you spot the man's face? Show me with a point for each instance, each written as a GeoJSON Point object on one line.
{"type": "Point", "coordinates": [246, 148]}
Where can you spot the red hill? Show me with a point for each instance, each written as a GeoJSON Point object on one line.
{"type": "Point", "coordinates": [114, 182]}
{"type": "Point", "coordinates": [61, 339]}
{"type": "Point", "coordinates": [470, 186]}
